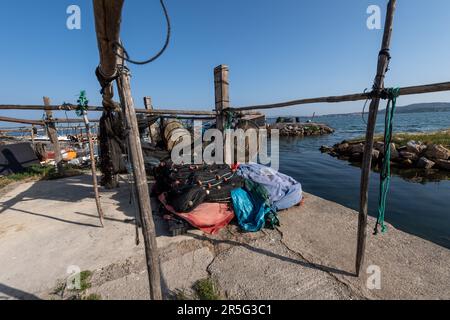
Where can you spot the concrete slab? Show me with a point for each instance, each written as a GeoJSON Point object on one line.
{"type": "Point", "coordinates": [48, 226]}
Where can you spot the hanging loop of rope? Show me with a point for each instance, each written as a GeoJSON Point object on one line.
{"type": "Point", "coordinates": [125, 56]}
{"type": "Point", "coordinates": [385, 175]}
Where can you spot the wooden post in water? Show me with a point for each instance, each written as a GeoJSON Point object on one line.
{"type": "Point", "coordinates": [93, 167]}
{"type": "Point", "coordinates": [53, 136]}
{"type": "Point", "coordinates": [143, 195]}
{"type": "Point", "coordinates": [383, 63]}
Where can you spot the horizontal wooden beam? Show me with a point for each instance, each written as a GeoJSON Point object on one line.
{"type": "Point", "coordinates": [436, 87]}
{"type": "Point", "coordinates": [68, 107]}
{"type": "Point", "coordinates": [56, 120]}
{"type": "Point", "coordinates": [42, 122]}
{"type": "Point", "coordinates": [22, 121]}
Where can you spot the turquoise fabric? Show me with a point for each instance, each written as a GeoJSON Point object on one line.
{"type": "Point", "coordinates": [251, 215]}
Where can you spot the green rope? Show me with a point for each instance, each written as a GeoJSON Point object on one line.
{"type": "Point", "coordinates": [385, 175]}
{"type": "Point", "coordinates": [230, 116]}
{"type": "Point", "coordinates": [83, 103]}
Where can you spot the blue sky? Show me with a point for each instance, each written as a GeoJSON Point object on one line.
{"type": "Point", "coordinates": [276, 50]}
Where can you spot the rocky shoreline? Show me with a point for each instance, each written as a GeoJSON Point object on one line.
{"type": "Point", "coordinates": [409, 155]}
{"type": "Point", "coordinates": [302, 129]}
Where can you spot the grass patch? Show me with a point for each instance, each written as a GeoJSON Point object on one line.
{"type": "Point", "coordinates": [206, 290]}
{"type": "Point", "coordinates": [62, 291]}
{"type": "Point", "coordinates": [93, 296]}
{"type": "Point", "coordinates": [85, 280]}
{"type": "Point", "coordinates": [401, 139]}
{"type": "Point", "coordinates": [38, 172]}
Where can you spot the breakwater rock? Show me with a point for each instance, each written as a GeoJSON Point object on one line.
{"type": "Point", "coordinates": [302, 129]}
{"type": "Point", "coordinates": [407, 155]}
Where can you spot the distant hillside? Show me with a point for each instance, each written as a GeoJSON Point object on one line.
{"type": "Point", "coordinates": [424, 107]}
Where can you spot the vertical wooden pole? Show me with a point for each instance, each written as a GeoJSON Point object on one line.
{"type": "Point", "coordinates": [383, 63]}
{"type": "Point", "coordinates": [149, 106]}
{"type": "Point", "coordinates": [222, 99]}
{"type": "Point", "coordinates": [140, 176]}
{"type": "Point", "coordinates": [93, 168]}
{"type": "Point", "coordinates": [221, 89]}
{"type": "Point", "coordinates": [53, 136]}
{"type": "Point", "coordinates": [32, 136]}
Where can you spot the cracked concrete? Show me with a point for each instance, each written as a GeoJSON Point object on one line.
{"type": "Point", "coordinates": [47, 226]}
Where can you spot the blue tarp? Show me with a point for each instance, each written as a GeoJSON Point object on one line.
{"type": "Point", "coordinates": [250, 212]}
{"type": "Point", "coordinates": [284, 191]}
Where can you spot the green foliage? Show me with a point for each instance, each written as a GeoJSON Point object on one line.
{"type": "Point", "coordinates": [206, 290]}
{"type": "Point", "coordinates": [93, 296]}
{"type": "Point", "coordinates": [38, 172]}
{"type": "Point", "coordinates": [85, 278]}
{"type": "Point", "coordinates": [401, 139]}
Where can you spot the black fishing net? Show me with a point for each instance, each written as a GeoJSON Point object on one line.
{"type": "Point", "coordinates": [187, 186]}
{"type": "Point", "coordinates": [112, 137]}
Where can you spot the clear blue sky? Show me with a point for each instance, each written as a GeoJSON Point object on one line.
{"type": "Point", "coordinates": [276, 49]}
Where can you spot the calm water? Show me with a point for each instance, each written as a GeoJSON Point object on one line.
{"type": "Point", "coordinates": [417, 208]}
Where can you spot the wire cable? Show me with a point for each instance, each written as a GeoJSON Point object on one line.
{"type": "Point", "coordinates": [126, 56]}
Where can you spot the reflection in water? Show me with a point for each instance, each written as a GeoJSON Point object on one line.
{"type": "Point", "coordinates": [417, 204]}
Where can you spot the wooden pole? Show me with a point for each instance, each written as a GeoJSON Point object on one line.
{"type": "Point", "coordinates": [221, 90]}
{"type": "Point", "coordinates": [93, 167]}
{"type": "Point", "coordinates": [151, 128]}
{"type": "Point", "coordinates": [22, 121]}
{"type": "Point", "coordinates": [32, 135]}
{"type": "Point", "coordinates": [140, 176]}
{"type": "Point", "coordinates": [53, 136]}
{"type": "Point", "coordinates": [420, 89]}
{"type": "Point", "coordinates": [383, 63]}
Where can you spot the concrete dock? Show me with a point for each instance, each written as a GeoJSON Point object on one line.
{"type": "Point", "coordinates": [48, 227]}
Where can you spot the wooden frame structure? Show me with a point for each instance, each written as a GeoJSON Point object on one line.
{"type": "Point", "coordinates": [107, 14]}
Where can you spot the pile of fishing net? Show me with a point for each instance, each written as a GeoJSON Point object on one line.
{"type": "Point", "coordinates": [209, 197]}
{"type": "Point", "coordinates": [188, 186]}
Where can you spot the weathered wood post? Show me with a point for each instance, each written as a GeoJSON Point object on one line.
{"type": "Point", "coordinates": [53, 136]}
{"type": "Point", "coordinates": [107, 22]}
{"type": "Point", "coordinates": [149, 106]}
{"type": "Point", "coordinates": [383, 63]}
{"type": "Point", "coordinates": [221, 90]}
{"type": "Point", "coordinates": [222, 99]}
{"type": "Point", "coordinates": [153, 129]}
{"type": "Point", "coordinates": [32, 136]}
{"type": "Point", "coordinates": [93, 167]}
{"type": "Point", "coordinates": [140, 176]}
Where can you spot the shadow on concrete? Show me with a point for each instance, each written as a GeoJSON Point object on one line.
{"type": "Point", "coordinates": [73, 189]}
{"type": "Point", "coordinates": [274, 255]}
{"type": "Point", "coordinates": [65, 190]}
{"type": "Point", "coordinates": [13, 293]}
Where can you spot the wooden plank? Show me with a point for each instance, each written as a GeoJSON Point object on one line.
{"type": "Point", "coordinates": [53, 136]}
{"type": "Point", "coordinates": [383, 63]}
